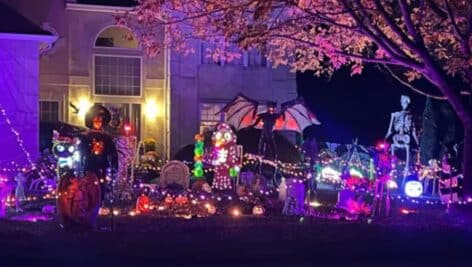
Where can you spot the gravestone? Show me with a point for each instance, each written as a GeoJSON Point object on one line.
{"type": "Point", "coordinates": [175, 172]}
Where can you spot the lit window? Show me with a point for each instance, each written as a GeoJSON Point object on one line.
{"type": "Point", "coordinates": [48, 111]}
{"type": "Point", "coordinates": [209, 117]}
{"type": "Point", "coordinates": [120, 76]}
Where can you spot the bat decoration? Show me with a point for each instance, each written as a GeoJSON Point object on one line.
{"type": "Point", "coordinates": [243, 112]}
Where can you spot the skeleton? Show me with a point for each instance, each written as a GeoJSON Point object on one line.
{"type": "Point", "coordinates": [402, 127]}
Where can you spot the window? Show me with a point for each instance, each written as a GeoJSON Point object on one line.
{"type": "Point", "coordinates": [209, 117]}
{"type": "Point", "coordinates": [48, 111]}
{"type": "Point", "coordinates": [118, 76]}
{"type": "Point", "coordinates": [122, 113]}
{"type": "Point", "coordinates": [118, 37]}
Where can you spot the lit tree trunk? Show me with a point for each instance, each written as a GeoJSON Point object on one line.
{"type": "Point", "coordinates": [436, 76]}
{"type": "Point", "coordinates": [467, 162]}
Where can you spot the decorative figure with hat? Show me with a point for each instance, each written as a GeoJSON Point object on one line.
{"type": "Point", "coordinates": [97, 147]}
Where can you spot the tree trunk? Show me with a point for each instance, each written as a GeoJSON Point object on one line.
{"type": "Point", "coordinates": [467, 162]}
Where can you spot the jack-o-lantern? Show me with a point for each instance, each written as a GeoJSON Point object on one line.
{"type": "Point", "coordinates": [258, 210]}
{"type": "Point", "coordinates": [168, 201]}
{"type": "Point", "coordinates": [181, 200]}
{"type": "Point", "coordinates": [104, 211]}
{"type": "Point", "coordinates": [211, 209]}
{"type": "Point", "coordinates": [143, 203]}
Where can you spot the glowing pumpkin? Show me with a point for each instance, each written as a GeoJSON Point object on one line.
{"type": "Point", "coordinates": [258, 210]}
{"type": "Point", "coordinates": [181, 200]}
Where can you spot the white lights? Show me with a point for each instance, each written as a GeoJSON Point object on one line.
{"type": "Point", "coordinates": [391, 184]}
{"type": "Point", "coordinates": [152, 109]}
{"type": "Point", "coordinates": [413, 189]}
{"type": "Point", "coordinates": [83, 105]}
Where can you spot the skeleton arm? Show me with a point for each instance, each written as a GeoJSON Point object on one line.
{"type": "Point", "coordinates": [389, 132]}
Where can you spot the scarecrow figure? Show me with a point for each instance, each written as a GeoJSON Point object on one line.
{"type": "Point", "coordinates": [97, 147]}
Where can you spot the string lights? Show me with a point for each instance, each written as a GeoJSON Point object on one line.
{"type": "Point", "coordinates": [17, 135]}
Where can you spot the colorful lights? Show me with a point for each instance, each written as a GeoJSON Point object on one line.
{"type": "Point", "coordinates": [198, 156]}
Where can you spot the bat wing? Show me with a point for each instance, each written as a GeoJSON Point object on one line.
{"type": "Point", "coordinates": [295, 116]}
{"type": "Point", "coordinates": [241, 112]}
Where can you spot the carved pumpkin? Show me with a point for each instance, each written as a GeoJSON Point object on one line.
{"type": "Point", "coordinates": [143, 203]}
{"type": "Point", "coordinates": [258, 210]}
{"type": "Point", "coordinates": [168, 200]}
{"type": "Point", "coordinates": [210, 208]}
{"type": "Point", "coordinates": [181, 200]}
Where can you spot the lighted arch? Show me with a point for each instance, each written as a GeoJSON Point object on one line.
{"type": "Point", "coordinates": [116, 37]}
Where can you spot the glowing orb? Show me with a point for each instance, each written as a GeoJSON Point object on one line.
{"type": "Point", "coordinates": [413, 189]}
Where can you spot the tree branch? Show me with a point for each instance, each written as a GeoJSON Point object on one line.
{"type": "Point", "coordinates": [409, 85]}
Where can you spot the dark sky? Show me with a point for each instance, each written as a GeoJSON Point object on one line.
{"type": "Point", "coordinates": [357, 106]}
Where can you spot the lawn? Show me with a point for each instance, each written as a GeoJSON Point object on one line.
{"type": "Point", "coordinates": [408, 240]}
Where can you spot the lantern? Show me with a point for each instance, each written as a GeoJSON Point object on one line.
{"type": "Point", "coordinates": [258, 210]}
{"type": "Point", "coordinates": [210, 208]}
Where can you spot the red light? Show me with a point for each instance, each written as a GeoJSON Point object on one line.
{"type": "Point", "coordinates": [127, 128]}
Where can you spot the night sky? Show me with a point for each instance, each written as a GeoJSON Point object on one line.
{"type": "Point", "coordinates": [357, 106]}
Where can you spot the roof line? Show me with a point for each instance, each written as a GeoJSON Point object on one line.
{"type": "Point", "coordinates": [29, 37]}
{"type": "Point", "coordinates": [97, 8]}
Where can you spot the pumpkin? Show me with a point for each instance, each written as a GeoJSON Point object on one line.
{"type": "Point", "coordinates": [181, 200]}
{"type": "Point", "coordinates": [258, 210]}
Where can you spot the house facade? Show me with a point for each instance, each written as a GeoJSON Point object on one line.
{"type": "Point", "coordinates": [169, 97]}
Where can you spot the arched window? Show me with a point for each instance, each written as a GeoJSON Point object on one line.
{"type": "Point", "coordinates": [117, 37]}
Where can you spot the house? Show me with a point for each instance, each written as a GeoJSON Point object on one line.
{"type": "Point", "coordinates": [170, 97]}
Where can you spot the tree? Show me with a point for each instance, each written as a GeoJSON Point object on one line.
{"type": "Point", "coordinates": [431, 39]}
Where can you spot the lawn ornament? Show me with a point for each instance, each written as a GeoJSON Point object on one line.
{"type": "Point", "coordinates": [402, 129]}
{"type": "Point", "coordinates": [242, 112]}
{"type": "Point", "coordinates": [224, 157]}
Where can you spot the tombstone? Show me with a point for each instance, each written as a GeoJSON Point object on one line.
{"type": "Point", "coordinates": [294, 202]}
{"type": "Point", "coordinates": [175, 172]}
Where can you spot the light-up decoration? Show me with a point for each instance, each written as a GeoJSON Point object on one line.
{"type": "Point", "coordinates": [258, 210]}
{"type": "Point", "coordinates": [413, 188]}
{"type": "Point", "coordinates": [83, 105]}
{"type": "Point", "coordinates": [236, 212]}
{"type": "Point", "coordinates": [19, 140]}
{"type": "Point", "coordinates": [315, 204]}
{"type": "Point", "coordinates": [65, 149]}
{"type": "Point", "coordinates": [152, 109]}
{"type": "Point", "coordinates": [224, 156]}
{"type": "Point", "coordinates": [198, 157]}
{"type": "Point", "coordinates": [330, 175]}
{"type": "Point", "coordinates": [355, 172]}
{"type": "Point", "coordinates": [391, 184]}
